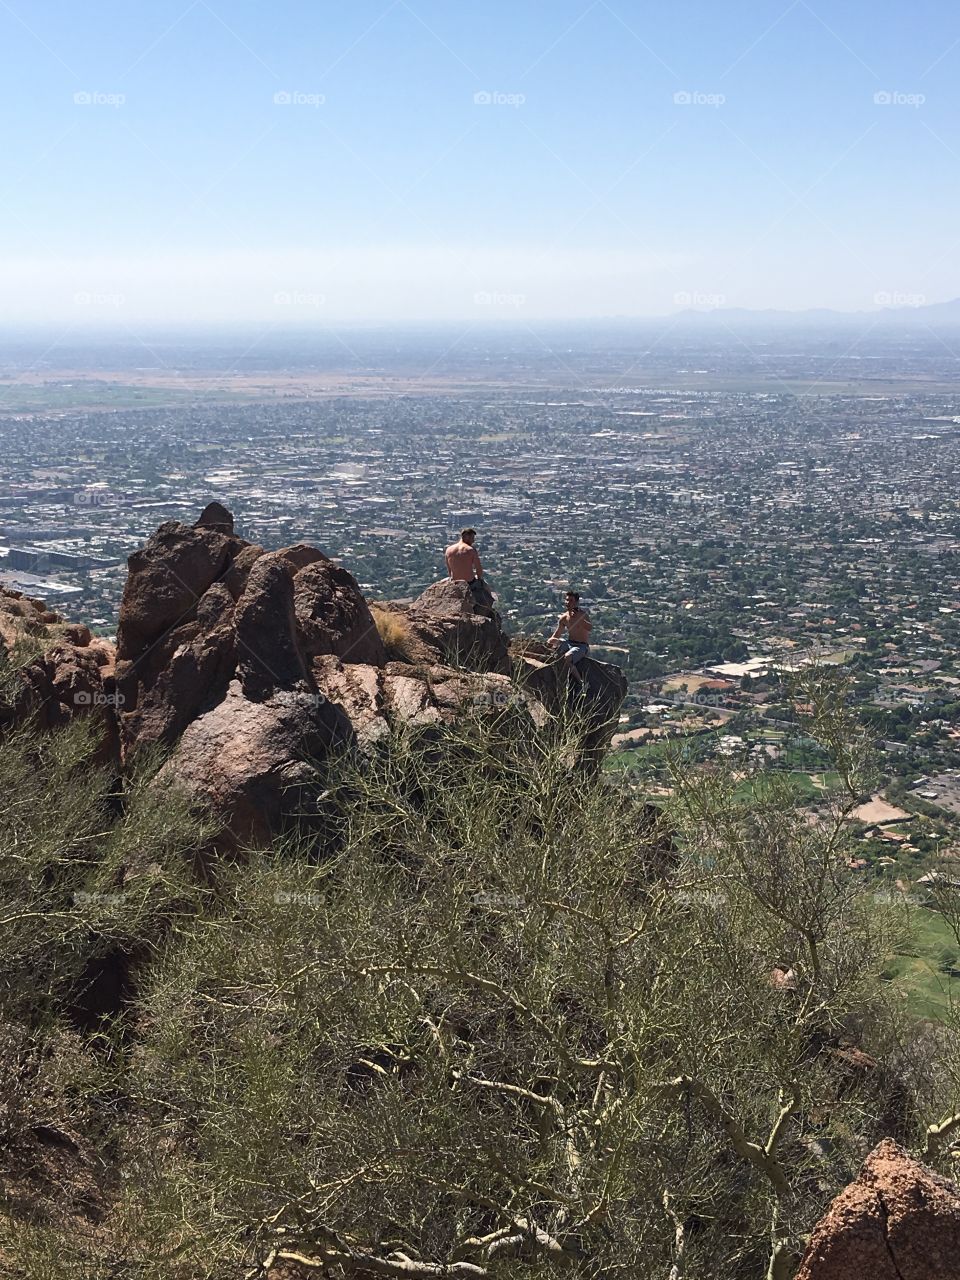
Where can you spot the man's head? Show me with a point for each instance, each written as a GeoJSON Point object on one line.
{"type": "Point", "coordinates": [469, 536]}
{"type": "Point", "coordinates": [573, 600]}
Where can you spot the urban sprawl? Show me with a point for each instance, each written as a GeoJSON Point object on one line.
{"type": "Point", "coordinates": [724, 542]}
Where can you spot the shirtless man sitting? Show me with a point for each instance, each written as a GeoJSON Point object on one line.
{"type": "Point", "coordinates": [463, 564]}
{"type": "Point", "coordinates": [576, 622]}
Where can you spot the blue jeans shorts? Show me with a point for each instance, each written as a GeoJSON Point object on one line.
{"type": "Point", "coordinates": [577, 652]}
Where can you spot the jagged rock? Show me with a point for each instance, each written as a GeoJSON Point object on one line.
{"type": "Point", "coordinates": [235, 578]}
{"type": "Point", "coordinates": [175, 644]}
{"type": "Point", "coordinates": [215, 516]}
{"type": "Point", "coordinates": [250, 762]}
{"type": "Point", "coordinates": [67, 682]}
{"type": "Point", "coordinates": [166, 579]}
{"type": "Point", "coordinates": [268, 647]}
{"type": "Point", "coordinates": [333, 617]}
{"type": "Point", "coordinates": [22, 616]}
{"type": "Point", "coordinates": [197, 669]}
{"type": "Point", "coordinates": [599, 700]}
{"type": "Point", "coordinates": [253, 665]}
{"type": "Point", "coordinates": [449, 599]}
{"type": "Point", "coordinates": [897, 1221]}
{"type": "Point", "coordinates": [299, 556]}
{"type": "Point", "coordinates": [356, 689]}
{"type": "Point", "coordinates": [78, 634]}
{"type": "Point", "coordinates": [408, 701]}
{"type": "Point", "coordinates": [73, 675]}
{"type": "Point", "coordinates": [450, 621]}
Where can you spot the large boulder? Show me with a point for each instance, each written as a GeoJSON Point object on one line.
{"type": "Point", "coordinates": [253, 762]}
{"type": "Point", "coordinates": [23, 618]}
{"type": "Point", "coordinates": [460, 627]}
{"type": "Point", "coordinates": [71, 676]}
{"type": "Point", "coordinates": [165, 581]}
{"type": "Point", "coordinates": [897, 1221]}
{"type": "Point", "coordinates": [176, 651]}
{"type": "Point", "coordinates": [334, 618]}
{"type": "Point", "coordinates": [265, 625]}
{"type": "Point", "coordinates": [198, 664]}
{"type": "Point", "coordinates": [358, 691]}
{"type": "Point", "coordinates": [597, 701]}
{"type": "Point", "coordinates": [215, 516]}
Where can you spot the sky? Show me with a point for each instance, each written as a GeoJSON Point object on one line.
{"type": "Point", "coordinates": [296, 162]}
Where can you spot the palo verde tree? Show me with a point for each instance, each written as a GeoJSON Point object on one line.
{"type": "Point", "coordinates": [506, 1018]}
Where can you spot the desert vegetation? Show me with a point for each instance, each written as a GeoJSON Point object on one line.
{"type": "Point", "coordinates": [493, 1017]}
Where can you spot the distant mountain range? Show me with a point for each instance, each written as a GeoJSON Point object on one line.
{"type": "Point", "coordinates": [901, 310]}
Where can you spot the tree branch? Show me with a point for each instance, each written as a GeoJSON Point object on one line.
{"type": "Point", "coordinates": [758, 1156]}
{"type": "Point", "coordinates": [365, 1264]}
{"type": "Point", "coordinates": [937, 1134]}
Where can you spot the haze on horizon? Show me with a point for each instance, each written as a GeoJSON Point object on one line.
{"type": "Point", "coordinates": [189, 162]}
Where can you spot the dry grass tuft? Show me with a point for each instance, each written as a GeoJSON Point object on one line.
{"type": "Point", "coordinates": [394, 630]}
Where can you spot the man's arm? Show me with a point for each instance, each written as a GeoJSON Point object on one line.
{"type": "Point", "coordinates": [559, 631]}
{"type": "Point", "coordinates": [478, 567]}
{"type": "Point", "coordinates": [446, 561]}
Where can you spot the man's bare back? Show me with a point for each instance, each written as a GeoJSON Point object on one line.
{"type": "Point", "coordinates": [462, 560]}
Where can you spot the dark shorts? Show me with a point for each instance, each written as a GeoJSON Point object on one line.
{"type": "Point", "coordinates": [576, 651]}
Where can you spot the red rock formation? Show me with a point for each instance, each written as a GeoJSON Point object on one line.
{"type": "Point", "coordinates": [252, 666]}
{"type": "Point", "coordinates": [333, 617]}
{"type": "Point", "coordinates": [459, 630]}
{"type": "Point", "coordinates": [897, 1221]}
{"type": "Point", "coordinates": [73, 676]}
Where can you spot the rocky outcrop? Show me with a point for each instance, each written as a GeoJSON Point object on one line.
{"type": "Point", "coordinates": [897, 1221]}
{"type": "Point", "coordinates": [268, 650]}
{"type": "Point", "coordinates": [253, 762]}
{"type": "Point", "coordinates": [71, 674]}
{"type": "Point", "coordinates": [252, 667]}
{"type": "Point", "coordinates": [459, 626]}
{"type": "Point", "coordinates": [334, 618]}
{"type": "Point", "coordinates": [21, 617]}
{"type": "Point", "coordinates": [598, 700]}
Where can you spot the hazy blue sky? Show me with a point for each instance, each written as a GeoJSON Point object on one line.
{"type": "Point", "coordinates": [287, 161]}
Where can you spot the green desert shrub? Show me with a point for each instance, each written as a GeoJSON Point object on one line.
{"type": "Point", "coordinates": [510, 1018]}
